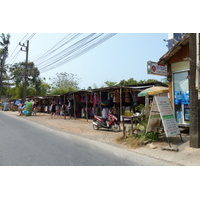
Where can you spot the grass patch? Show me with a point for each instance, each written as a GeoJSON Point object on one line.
{"type": "Point", "coordinates": [132, 141]}
{"type": "Point", "coordinates": [137, 139]}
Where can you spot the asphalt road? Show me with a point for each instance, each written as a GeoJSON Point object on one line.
{"type": "Point", "coordinates": [24, 143]}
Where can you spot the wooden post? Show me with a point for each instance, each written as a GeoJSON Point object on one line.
{"type": "Point", "coordinates": [100, 103]}
{"type": "Point", "coordinates": [194, 103]}
{"type": "Point", "coordinates": [86, 100]}
{"type": "Point", "coordinates": [74, 106]}
{"type": "Point", "coordinates": [120, 102]}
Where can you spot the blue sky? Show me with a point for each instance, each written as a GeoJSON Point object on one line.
{"type": "Point", "coordinates": [123, 56]}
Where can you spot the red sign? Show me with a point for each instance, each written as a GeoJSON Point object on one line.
{"type": "Point", "coordinates": [156, 69]}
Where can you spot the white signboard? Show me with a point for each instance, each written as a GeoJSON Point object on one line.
{"type": "Point", "coordinates": [154, 117]}
{"type": "Point", "coordinates": [167, 116]}
{"type": "Point", "coordinates": [156, 69]}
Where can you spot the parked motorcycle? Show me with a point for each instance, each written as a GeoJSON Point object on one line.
{"type": "Point", "coordinates": [110, 123]}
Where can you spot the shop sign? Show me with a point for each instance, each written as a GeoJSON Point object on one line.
{"type": "Point", "coordinates": [154, 68]}
{"type": "Point", "coordinates": [162, 106]}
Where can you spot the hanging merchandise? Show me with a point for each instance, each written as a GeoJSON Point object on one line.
{"type": "Point", "coordinates": [103, 101]}
{"type": "Point", "coordinates": [134, 96]}
{"type": "Point", "coordinates": [114, 99]}
{"type": "Point", "coordinates": [111, 95]}
{"type": "Point", "coordinates": [83, 100]}
{"type": "Point", "coordinates": [127, 96]}
{"type": "Point", "coordinates": [108, 96]}
{"type": "Point", "coordinates": [91, 98]}
{"type": "Point", "coordinates": [82, 113]}
{"type": "Point", "coordinates": [105, 112]}
{"type": "Point", "coordinates": [114, 110]}
{"type": "Point", "coordinates": [95, 99]}
{"type": "Point", "coordinates": [79, 100]}
{"type": "Point", "coordinates": [117, 96]}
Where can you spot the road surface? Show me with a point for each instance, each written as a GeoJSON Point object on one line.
{"type": "Point", "coordinates": [25, 143]}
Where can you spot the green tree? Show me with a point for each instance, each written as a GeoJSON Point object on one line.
{"type": "Point", "coordinates": [4, 42]}
{"type": "Point", "coordinates": [17, 73]}
{"type": "Point", "coordinates": [64, 82]}
{"type": "Point", "coordinates": [110, 84]}
{"type": "Point", "coordinates": [164, 80]}
{"type": "Point", "coordinates": [43, 88]}
{"type": "Point", "coordinates": [147, 81]}
{"type": "Point", "coordinates": [39, 87]}
{"type": "Point", "coordinates": [89, 88]}
{"type": "Point", "coordinates": [16, 92]}
{"type": "Point", "coordinates": [130, 81]}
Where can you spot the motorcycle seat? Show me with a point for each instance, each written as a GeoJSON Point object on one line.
{"type": "Point", "coordinates": [102, 118]}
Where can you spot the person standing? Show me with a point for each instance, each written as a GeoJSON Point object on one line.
{"type": "Point", "coordinates": [64, 109]}
{"type": "Point", "coordinates": [53, 109]}
{"type": "Point", "coordinates": [69, 107]}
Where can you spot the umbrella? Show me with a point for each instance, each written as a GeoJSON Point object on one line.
{"type": "Point", "coordinates": [153, 90]}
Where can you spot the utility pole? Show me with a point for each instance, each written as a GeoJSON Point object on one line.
{"type": "Point", "coordinates": [25, 69]}
{"type": "Point", "coordinates": [194, 102]}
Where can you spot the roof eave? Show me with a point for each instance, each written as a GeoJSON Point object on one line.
{"type": "Point", "coordinates": [165, 58]}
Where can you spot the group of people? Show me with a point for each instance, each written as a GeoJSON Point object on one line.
{"type": "Point", "coordinates": [66, 108]}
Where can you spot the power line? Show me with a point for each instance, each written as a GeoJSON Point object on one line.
{"type": "Point", "coordinates": [63, 53]}
{"type": "Point", "coordinates": [16, 55]}
{"type": "Point", "coordinates": [50, 51]}
{"type": "Point", "coordinates": [77, 54]}
{"type": "Point", "coordinates": [31, 36]}
{"type": "Point", "coordinates": [16, 48]}
{"type": "Point", "coordinates": [14, 58]}
{"type": "Point", "coordinates": [74, 51]}
{"type": "Point", "coordinates": [40, 55]}
{"type": "Point", "coordinates": [24, 37]}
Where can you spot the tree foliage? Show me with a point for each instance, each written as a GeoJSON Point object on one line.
{"type": "Point", "coordinates": [17, 73]}
{"type": "Point", "coordinates": [4, 42]}
{"type": "Point", "coordinates": [110, 84]}
{"type": "Point", "coordinates": [130, 81]}
{"type": "Point", "coordinates": [5, 39]}
{"type": "Point", "coordinates": [64, 82]}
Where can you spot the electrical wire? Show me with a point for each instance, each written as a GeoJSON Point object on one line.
{"type": "Point", "coordinates": [74, 52]}
{"type": "Point", "coordinates": [16, 48]}
{"type": "Point", "coordinates": [16, 55]}
{"type": "Point", "coordinates": [50, 60]}
{"type": "Point", "coordinates": [49, 52]}
{"type": "Point", "coordinates": [33, 34]}
{"type": "Point", "coordinates": [42, 54]}
{"type": "Point", "coordinates": [14, 58]}
{"type": "Point", "coordinates": [77, 54]}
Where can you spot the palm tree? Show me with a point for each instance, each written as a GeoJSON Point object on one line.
{"type": "Point", "coordinates": [5, 40]}
{"type": "Point", "coordinates": [3, 54]}
{"type": "Point", "coordinates": [4, 43]}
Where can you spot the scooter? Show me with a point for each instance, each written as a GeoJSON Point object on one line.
{"type": "Point", "coordinates": [110, 123]}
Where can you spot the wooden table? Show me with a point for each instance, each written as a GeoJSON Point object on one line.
{"type": "Point", "coordinates": [134, 117]}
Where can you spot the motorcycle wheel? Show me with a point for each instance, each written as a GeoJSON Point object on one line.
{"type": "Point", "coordinates": [115, 127]}
{"type": "Point", "coordinates": [95, 127]}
